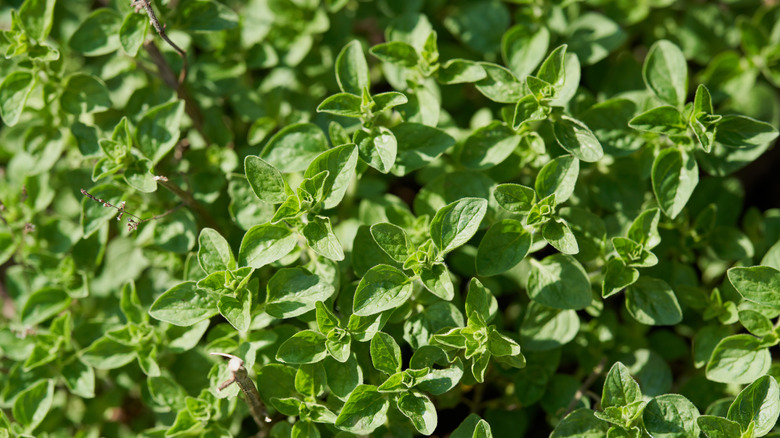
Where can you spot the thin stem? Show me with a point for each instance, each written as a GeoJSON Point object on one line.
{"type": "Point", "coordinates": [586, 384]}
{"type": "Point", "coordinates": [187, 199]}
{"type": "Point", "coordinates": [131, 224]}
{"type": "Point", "coordinates": [145, 5]}
{"type": "Point", "coordinates": [239, 375]}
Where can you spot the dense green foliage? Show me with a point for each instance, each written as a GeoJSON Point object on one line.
{"type": "Point", "coordinates": [465, 218]}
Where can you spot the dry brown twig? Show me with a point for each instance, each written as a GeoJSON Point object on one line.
{"type": "Point", "coordinates": [160, 28]}
{"type": "Point", "coordinates": [239, 375]}
{"type": "Point", "coordinates": [132, 224]}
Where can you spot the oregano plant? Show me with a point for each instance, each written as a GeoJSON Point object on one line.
{"type": "Point", "coordinates": [391, 218]}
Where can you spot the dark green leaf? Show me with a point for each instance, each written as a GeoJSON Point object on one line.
{"type": "Point", "coordinates": [665, 72]}
{"type": "Point", "coordinates": [294, 147]}
{"type": "Point", "coordinates": [295, 291]}
{"type": "Point", "coordinates": [479, 299]}
{"type": "Point", "coordinates": [559, 281]}
{"type": "Point", "coordinates": [264, 244]}
{"type": "Point", "coordinates": [575, 137]}
{"type": "Point", "coordinates": [214, 253]}
{"type": "Point", "coordinates": [552, 69]}
{"type": "Point", "coordinates": [396, 52]}
{"type": "Point", "coordinates": [652, 301]}
{"type": "Point", "coordinates": [418, 145]}
{"type": "Point", "coordinates": [545, 328]}
{"type": "Point", "coordinates": [488, 146]}
{"type": "Point", "coordinates": [515, 197]}
{"type": "Point", "coordinates": [502, 247]}
{"type": "Point", "coordinates": [620, 389]}
{"type": "Point", "coordinates": [342, 104]}
{"type": "Point", "coordinates": [500, 85]}
{"type": "Point", "coordinates": [320, 237]}
{"type": "Point", "coordinates": [738, 359]}
{"type": "Point", "coordinates": [523, 48]}
{"type": "Point", "coordinates": [98, 34]}
{"type": "Point", "coordinates": [758, 403]}
{"type": "Point", "coordinates": [671, 415]}
{"type": "Point", "coordinates": [158, 130]}
{"type": "Point", "coordinates": [744, 132]}
{"type": "Point", "coordinates": [662, 120]}
{"type": "Point", "coordinates": [378, 148]}
{"type": "Point", "coordinates": [306, 346]}
{"type": "Point", "coordinates": [352, 70]}
{"type": "Point", "coordinates": [14, 91]}
{"type": "Point", "coordinates": [382, 288]}
{"type": "Point", "coordinates": [675, 174]}
{"type": "Point", "coordinates": [460, 71]}
{"type": "Point", "coordinates": [385, 353]}
{"type": "Point", "coordinates": [581, 424]}
{"type": "Point", "coordinates": [364, 411]}
{"type": "Point", "coordinates": [392, 239]}
{"type": "Point", "coordinates": [340, 163]}
{"type": "Point", "coordinates": [454, 224]}
{"type": "Point", "coordinates": [437, 280]}
{"type": "Point", "coordinates": [184, 305]}
{"type": "Point", "coordinates": [266, 181]}
{"type": "Point", "coordinates": [420, 410]}
{"type": "Point", "coordinates": [32, 404]}
{"type": "Point", "coordinates": [718, 427]}
{"type": "Point", "coordinates": [558, 176]}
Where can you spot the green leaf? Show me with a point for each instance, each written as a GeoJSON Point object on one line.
{"type": "Point", "coordinates": [344, 377]}
{"type": "Point", "coordinates": [652, 301]}
{"type": "Point", "coordinates": [758, 284]}
{"type": "Point", "coordinates": [528, 110]}
{"type": "Point", "coordinates": [264, 244]}
{"type": "Point", "coordinates": [352, 70]}
{"type": "Point", "coordinates": [738, 359]}
{"type": "Point", "coordinates": [79, 378]}
{"type": "Point", "coordinates": [133, 33]}
{"type": "Point", "coordinates": [633, 254]}
{"type": "Point", "coordinates": [620, 389]}
{"type": "Point", "coordinates": [502, 247]}
{"type": "Point", "coordinates": [552, 69]}
{"type": "Point", "coordinates": [662, 120]}
{"type": "Point", "coordinates": [594, 36]}
{"type": "Point", "coordinates": [206, 15]}
{"type": "Point", "coordinates": [559, 281]}
{"type": "Point", "coordinates": [294, 147]}
{"type": "Point", "coordinates": [310, 380]}
{"type": "Point", "coordinates": [214, 253]}
{"type": "Point", "coordinates": [378, 148]}
{"type": "Point", "coordinates": [306, 346]}
{"type": "Point", "coordinates": [98, 34]}
{"type": "Point", "coordinates": [108, 354]}
{"type": "Point", "coordinates": [479, 299]}
{"type": "Point", "coordinates": [644, 229]}
{"type": "Point", "coordinates": [437, 280]}
{"type": "Point", "coordinates": [675, 174]}
{"type": "Point", "coordinates": [523, 48]}
{"type": "Point", "coordinates": [14, 91]}
{"type": "Point", "coordinates": [758, 403]}
{"type": "Point", "coordinates": [665, 72]}
{"type": "Point", "coordinates": [388, 100]}
{"type": "Point", "coordinates": [43, 304]}
{"type": "Point", "coordinates": [138, 175]}
{"type": "Point", "coordinates": [671, 415]}
{"type": "Point", "coordinates": [295, 291]}
{"type": "Point", "coordinates": [488, 146]}
{"type": "Point", "coordinates": [577, 139]}
{"type": "Point", "coordinates": [266, 181]}
{"type": "Point", "coordinates": [382, 288]}
{"type": "Point", "coordinates": [158, 130]}
{"type": "Point", "coordinates": [702, 102]}
{"type": "Point", "coordinates": [32, 404]}
{"type": "Point", "coordinates": [418, 145]}
{"type": "Point", "coordinates": [558, 176]}
{"type": "Point", "coordinates": [184, 305]}
{"type": "Point", "coordinates": [320, 237]}
{"type": "Point", "coordinates": [385, 353]}
{"type": "Point", "coordinates": [237, 310]}
{"type": "Point", "coordinates": [718, 427]}
{"type": "Point", "coordinates": [37, 18]}
{"type": "Point", "coordinates": [420, 410]}
{"type": "Point", "coordinates": [545, 328]}
{"type": "Point", "coordinates": [131, 306]}
{"type": "Point", "coordinates": [500, 85]}
{"type": "Point", "coordinates": [744, 132]}
{"type": "Point", "coordinates": [340, 163]}
{"type": "Point", "coordinates": [755, 322]}
{"type": "Point", "coordinates": [460, 71]}
{"type": "Point", "coordinates": [342, 104]}
{"type": "Point", "coordinates": [396, 52]}
{"type": "Point", "coordinates": [392, 240]}
{"type": "Point", "coordinates": [364, 411]}
{"type": "Point", "coordinates": [558, 234]}
{"type": "Point", "coordinates": [581, 423]}
{"type": "Point", "coordinates": [454, 224]}
{"type": "Point", "coordinates": [515, 198]}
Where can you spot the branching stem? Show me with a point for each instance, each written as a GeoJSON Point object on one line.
{"type": "Point", "coordinates": [132, 224]}
{"type": "Point", "coordinates": [147, 6]}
